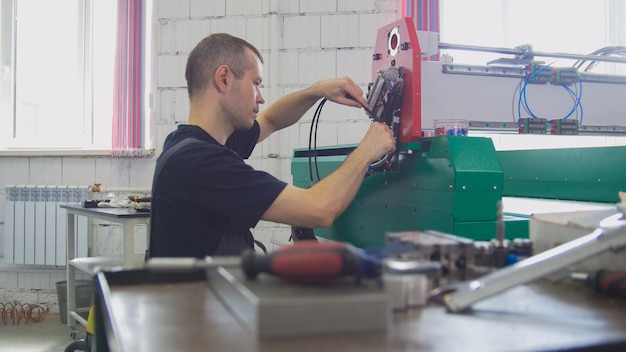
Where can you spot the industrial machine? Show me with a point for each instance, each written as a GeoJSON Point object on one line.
{"type": "Point", "coordinates": [447, 181]}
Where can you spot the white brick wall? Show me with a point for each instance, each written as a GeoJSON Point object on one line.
{"type": "Point", "coordinates": [339, 31]}
{"type": "Point", "coordinates": [171, 71]}
{"type": "Point", "coordinates": [316, 65]}
{"type": "Point", "coordinates": [357, 5]}
{"type": "Point", "coordinates": [231, 25]}
{"type": "Point", "coordinates": [318, 5]}
{"type": "Point", "coordinates": [301, 32]}
{"type": "Point", "coordinates": [355, 63]}
{"type": "Point", "coordinates": [257, 32]}
{"type": "Point", "coordinates": [369, 25]}
{"type": "Point", "coordinates": [204, 8]}
{"type": "Point", "coordinates": [173, 8]}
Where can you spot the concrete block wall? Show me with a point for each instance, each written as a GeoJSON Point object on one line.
{"type": "Point", "coordinates": [315, 40]}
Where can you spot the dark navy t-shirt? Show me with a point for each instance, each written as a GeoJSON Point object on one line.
{"type": "Point", "coordinates": [206, 198]}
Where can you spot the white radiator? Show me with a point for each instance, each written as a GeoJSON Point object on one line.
{"type": "Point", "coordinates": [35, 227]}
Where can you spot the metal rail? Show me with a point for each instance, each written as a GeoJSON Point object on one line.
{"type": "Point", "coordinates": [529, 53]}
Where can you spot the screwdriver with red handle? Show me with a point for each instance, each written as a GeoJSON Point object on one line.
{"type": "Point", "coordinates": [604, 281]}
{"type": "Point", "coordinates": [311, 262]}
{"type": "Point", "coordinates": [610, 282]}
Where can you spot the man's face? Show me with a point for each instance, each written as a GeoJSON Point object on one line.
{"type": "Point", "coordinates": [246, 96]}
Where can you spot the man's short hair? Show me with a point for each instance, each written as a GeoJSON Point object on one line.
{"type": "Point", "coordinates": [213, 51]}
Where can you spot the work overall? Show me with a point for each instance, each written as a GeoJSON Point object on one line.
{"type": "Point", "coordinates": [236, 239]}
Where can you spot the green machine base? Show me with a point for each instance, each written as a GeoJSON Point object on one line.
{"type": "Point", "coordinates": [592, 174]}
{"type": "Point", "coordinates": [450, 184]}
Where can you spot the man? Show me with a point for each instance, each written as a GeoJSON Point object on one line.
{"type": "Point", "coordinates": [205, 198]}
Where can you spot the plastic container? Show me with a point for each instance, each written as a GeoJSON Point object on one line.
{"type": "Point", "coordinates": [83, 295]}
{"type": "Point", "coordinates": [452, 127]}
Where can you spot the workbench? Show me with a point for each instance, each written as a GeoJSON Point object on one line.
{"type": "Point", "coordinates": [140, 310]}
{"type": "Point", "coordinates": [128, 218]}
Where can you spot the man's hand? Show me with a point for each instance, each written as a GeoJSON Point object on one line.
{"type": "Point", "coordinates": [321, 204]}
{"type": "Point", "coordinates": [378, 142]}
{"type": "Point", "coordinates": [341, 91]}
{"type": "Point", "coordinates": [290, 108]}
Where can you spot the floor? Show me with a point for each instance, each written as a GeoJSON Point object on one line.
{"type": "Point", "coordinates": [48, 335]}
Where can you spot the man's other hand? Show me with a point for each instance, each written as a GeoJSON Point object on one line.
{"type": "Point", "coordinates": [341, 91]}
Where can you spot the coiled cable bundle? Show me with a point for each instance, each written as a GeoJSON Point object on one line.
{"type": "Point", "coordinates": [16, 312]}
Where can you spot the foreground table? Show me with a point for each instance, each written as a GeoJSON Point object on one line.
{"type": "Point", "coordinates": [139, 310]}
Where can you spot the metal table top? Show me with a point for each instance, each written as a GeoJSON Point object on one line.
{"type": "Point", "coordinates": [105, 213]}
{"type": "Point", "coordinates": [144, 312]}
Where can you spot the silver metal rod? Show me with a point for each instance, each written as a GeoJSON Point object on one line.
{"type": "Point", "coordinates": [611, 235]}
{"type": "Point", "coordinates": [500, 224]}
{"type": "Point", "coordinates": [520, 52]}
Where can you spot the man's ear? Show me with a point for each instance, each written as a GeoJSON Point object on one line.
{"type": "Point", "coordinates": [222, 78]}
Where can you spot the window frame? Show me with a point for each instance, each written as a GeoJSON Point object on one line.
{"type": "Point", "coordinates": [96, 136]}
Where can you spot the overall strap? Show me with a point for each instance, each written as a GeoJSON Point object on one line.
{"type": "Point", "coordinates": [166, 155]}
{"type": "Point", "coordinates": [163, 159]}
{"type": "Point", "coordinates": [157, 171]}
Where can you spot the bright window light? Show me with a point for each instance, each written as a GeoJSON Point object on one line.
{"type": "Point", "coordinates": [58, 77]}
{"type": "Point", "coordinates": [555, 26]}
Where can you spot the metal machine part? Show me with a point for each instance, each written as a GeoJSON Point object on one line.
{"type": "Point", "coordinates": [454, 255]}
{"type": "Point", "coordinates": [396, 55]}
{"type": "Point", "coordinates": [526, 52]}
{"type": "Point", "coordinates": [403, 266]}
{"type": "Point", "coordinates": [610, 236]}
{"type": "Point", "coordinates": [397, 52]}
{"type": "Point", "coordinates": [461, 175]}
{"type": "Point", "coordinates": [385, 105]}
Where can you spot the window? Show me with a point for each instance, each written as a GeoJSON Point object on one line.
{"type": "Point", "coordinates": [555, 26]}
{"type": "Point", "coordinates": [57, 62]}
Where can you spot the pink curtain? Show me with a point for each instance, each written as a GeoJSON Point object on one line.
{"type": "Point", "coordinates": [127, 111]}
{"type": "Point", "coordinates": [425, 15]}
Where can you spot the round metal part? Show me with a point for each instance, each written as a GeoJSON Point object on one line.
{"type": "Point", "coordinates": [393, 41]}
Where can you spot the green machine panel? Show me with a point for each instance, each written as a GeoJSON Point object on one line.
{"type": "Point", "coordinates": [585, 174]}
{"type": "Point", "coordinates": [450, 184]}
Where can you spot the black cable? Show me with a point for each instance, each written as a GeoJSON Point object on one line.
{"type": "Point", "coordinates": [304, 233]}
{"type": "Point", "coordinates": [318, 112]}
{"type": "Point", "coordinates": [313, 138]}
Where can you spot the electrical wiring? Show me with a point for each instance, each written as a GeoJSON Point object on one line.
{"type": "Point", "coordinates": [523, 94]}
{"type": "Point", "coordinates": [317, 121]}
{"type": "Point", "coordinates": [515, 94]}
{"type": "Point", "coordinates": [303, 233]}
{"type": "Point", "coordinates": [313, 139]}
{"type": "Point", "coordinates": [605, 51]}
{"type": "Point", "coordinates": [576, 96]}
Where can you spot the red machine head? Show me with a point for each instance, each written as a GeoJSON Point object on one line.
{"type": "Point", "coordinates": [397, 52]}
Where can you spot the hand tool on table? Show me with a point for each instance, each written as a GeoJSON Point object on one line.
{"type": "Point", "coordinates": [604, 281]}
{"type": "Point", "coordinates": [611, 235]}
{"type": "Point", "coordinates": [313, 262]}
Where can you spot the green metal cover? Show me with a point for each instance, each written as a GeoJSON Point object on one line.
{"type": "Point", "coordinates": [585, 174]}
{"type": "Point", "coordinates": [450, 184]}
